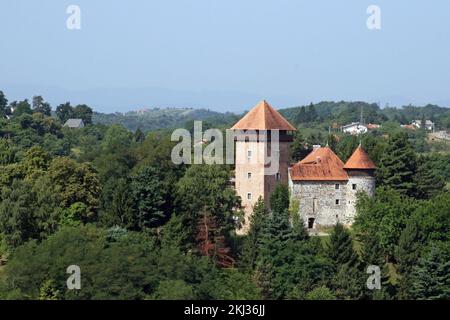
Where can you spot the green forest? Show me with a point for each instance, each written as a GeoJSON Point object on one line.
{"type": "Point", "coordinates": [108, 198]}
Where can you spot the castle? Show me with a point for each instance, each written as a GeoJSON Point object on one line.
{"type": "Point", "coordinates": [323, 185]}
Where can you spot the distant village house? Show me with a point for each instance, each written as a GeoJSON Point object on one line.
{"type": "Point", "coordinates": [429, 125]}
{"type": "Point", "coordinates": [74, 123]}
{"type": "Point", "coordinates": [354, 128]}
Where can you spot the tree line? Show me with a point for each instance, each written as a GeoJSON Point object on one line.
{"type": "Point", "coordinates": [111, 201]}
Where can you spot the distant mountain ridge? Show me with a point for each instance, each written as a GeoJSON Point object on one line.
{"type": "Point", "coordinates": [162, 118]}
{"type": "Point", "coordinates": [324, 113]}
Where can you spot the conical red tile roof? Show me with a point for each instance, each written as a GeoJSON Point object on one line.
{"type": "Point", "coordinates": [359, 160]}
{"type": "Point", "coordinates": [263, 117]}
{"type": "Point", "coordinates": [321, 164]}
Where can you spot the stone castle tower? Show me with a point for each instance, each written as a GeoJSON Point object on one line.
{"type": "Point", "coordinates": [361, 176]}
{"type": "Point", "coordinates": [254, 176]}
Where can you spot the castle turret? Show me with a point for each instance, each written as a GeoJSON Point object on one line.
{"type": "Point", "coordinates": [361, 177]}
{"type": "Point", "coordinates": [254, 178]}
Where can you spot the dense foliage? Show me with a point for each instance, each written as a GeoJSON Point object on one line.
{"type": "Point", "coordinates": [111, 201]}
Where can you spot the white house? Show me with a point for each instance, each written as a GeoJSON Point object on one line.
{"type": "Point", "coordinates": [354, 128]}
{"type": "Point", "coordinates": [74, 123]}
{"type": "Point", "coordinates": [429, 125]}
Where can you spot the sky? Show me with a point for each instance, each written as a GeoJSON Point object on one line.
{"type": "Point", "coordinates": [225, 55]}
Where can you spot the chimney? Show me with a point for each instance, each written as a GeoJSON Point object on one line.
{"type": "Point", "coordinates": [316, 146]}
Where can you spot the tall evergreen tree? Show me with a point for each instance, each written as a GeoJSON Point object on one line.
{"type": "Point", "coordinates": [340, 248]}
{"type": "Point", "coordinates": [431, 277]}
{"type": "Point", "coordinates": [4, 109]}
{"type": "Point", "coordinates": [348, 280]}
{"type": "Point", "coordinates": [39, 105]}
{"type": "Point", "coordinates": [139, 136]}
{"type": "Point", "coordinates": [398, 165]}
{"type": "Point", "coordinates": [253, 240]}
{"type": "Point", "coordinates": [428, 182]}
{"type": "Point", "coordinates": [64, 112]}
{"type": "Point", "coordinates": [279, 199]}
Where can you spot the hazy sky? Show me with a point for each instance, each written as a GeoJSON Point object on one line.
{"type": "Point", "coordinates": [292, 51]}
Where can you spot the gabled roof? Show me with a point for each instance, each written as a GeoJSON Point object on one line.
{"type": "Point", "coordinates": [359, 160]}
{"type": "Point", "coordinates": [263, 117]}
{"type": "Point", "coordinates": [74, 123]}
{"type": "Point", "coordinates": [321, 164]}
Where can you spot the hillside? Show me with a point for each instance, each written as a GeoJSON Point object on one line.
{"type": "Point", "coordinates": [319, 115]}
{"type": "Point", "coordinates": [162, 118]}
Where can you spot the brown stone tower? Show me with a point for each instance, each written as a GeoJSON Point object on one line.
{"type": "Point", "coordinates": [254, 176]}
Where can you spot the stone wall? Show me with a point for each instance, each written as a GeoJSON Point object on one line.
{"type": "Point", "coordinates": [364, 183]}
{"type": "Point", "coordinates": [317, 199]}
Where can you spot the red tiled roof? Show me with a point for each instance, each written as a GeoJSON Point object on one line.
{"type": "Point", "coordinates": [263, 117]}
{"type": "Point", "coordinates": [359, 160]}
{"type": "Point", "coordinates": [321, 164]}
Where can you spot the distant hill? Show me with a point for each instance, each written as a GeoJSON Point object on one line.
{"type": "Point", "coordinates": [320, 114]}
{"type": "Point", "coordinates": [343, 112]}
{"type": "Point", "coordinates": [163, 118]}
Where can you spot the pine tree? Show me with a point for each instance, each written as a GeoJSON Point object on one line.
{"type": "Point", "coordinates": [276, 235]}
{"type": "Point", "coordinates": [398, 165]}
{"type": "Point", "coordinates": [407, 255]}
{"type": "Point", "coordinates": [348, 280]}
{"type": "Point", "coordinates": [340, 248]}
{"type": "Point", "coordinates": [373, 254]}
{"type": "Point", "coordinates": [372, 251]}
{"type": "Point", "coordinates": [409, 246]}
{"type": "Point", "coordinates": [39, 105]}
{"type": "Point", "coordinates": [252, 242]}
{"type": "Point", "coordinates": [431, 277]}
{"type": "Point", "coordinates": [210, 241]}
{"type": "Point", "coordinates": [4, 109]}
{"type": "Point", "coordinates": [48, 291]}
{"type": "Point", "coordinates": [279, 198]}
{"type": "Point", "coordinates": [139, 136]}
{"type": "Point", "coordinates": [428, 183]}
{"type": "Point", "coordinates": [299, 231]}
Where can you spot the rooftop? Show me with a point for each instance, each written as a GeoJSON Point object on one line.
{"type": "Point", "coordinates": [74, 123]}
{"type": "Point", "coordinates": [321, 164]}
{"type": "Point", "coordinates": [359, 160]}
{"type": "Point", "coordinates": [263, 117]}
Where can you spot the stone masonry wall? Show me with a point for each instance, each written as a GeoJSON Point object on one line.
{"type": "Point", "coordinates": [317, 199]}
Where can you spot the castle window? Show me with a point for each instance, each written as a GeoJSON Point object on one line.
{"type": "Point", "coordinates": [278, 176]}
{"type": "Point", "coordinates": [310, 223]}
{"type": "Point", "coordinates": [249, 155]}
{"type": "Point", "coordinates": [249, 175]}
{"type": "Point", "coordinates": [336, 186]}
{"type": "Point", "coordinates": [249, 196]}
{"type": "Point", "coordinates": [354, 186]}
{"type": "Point", "coordinates": [337, 201]}
{"type": "Point", "coordinates": [314, 205]}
